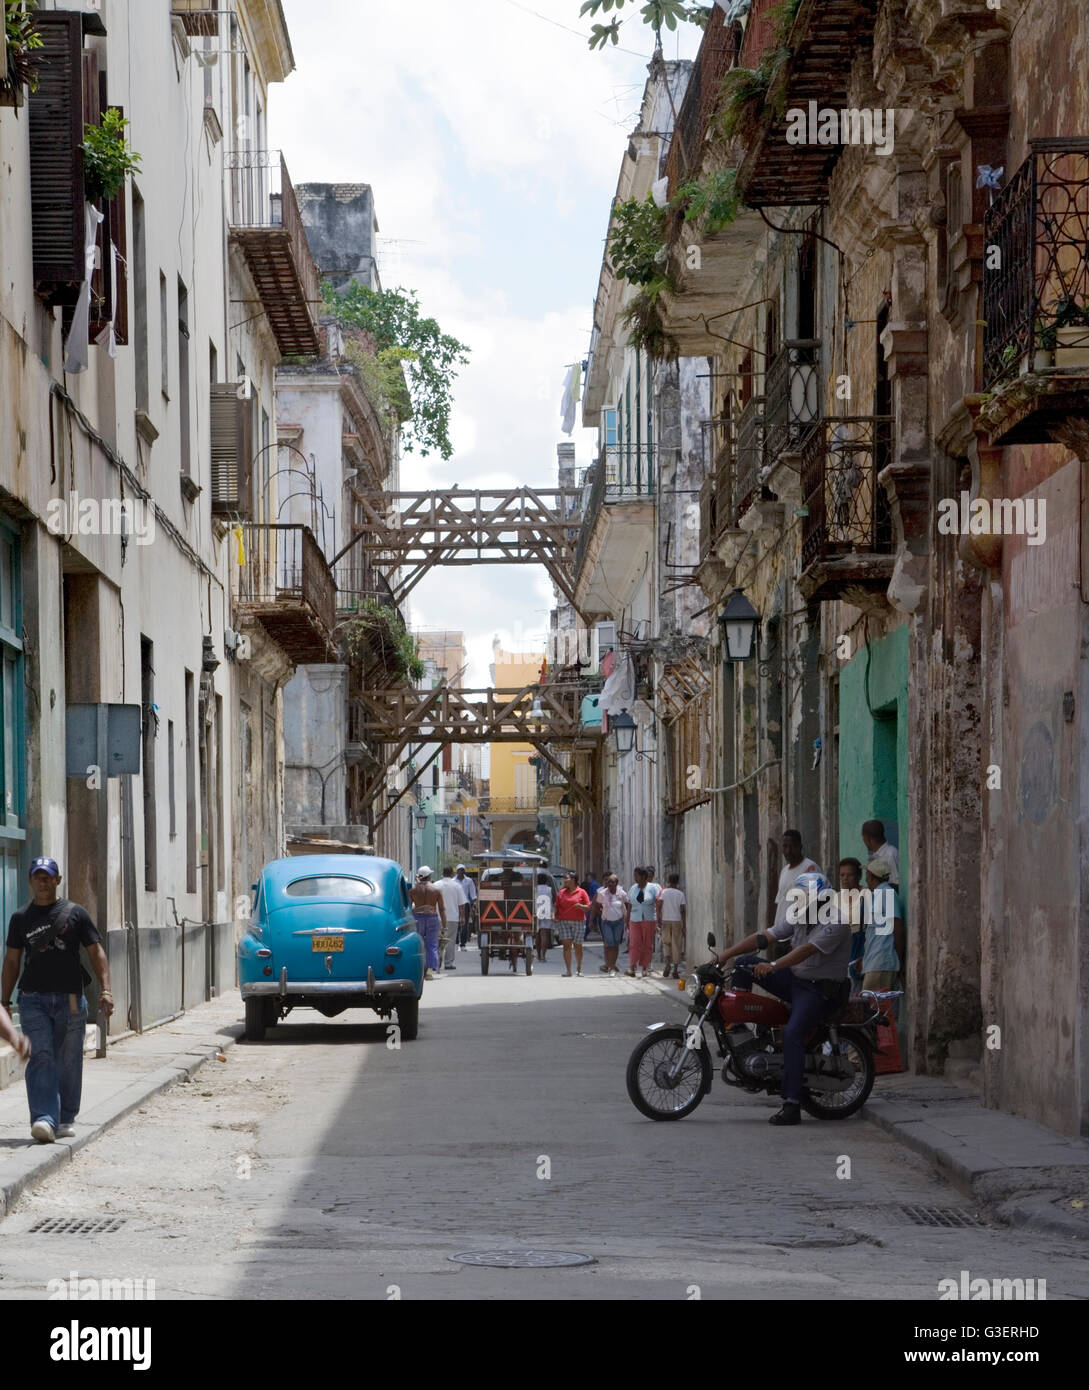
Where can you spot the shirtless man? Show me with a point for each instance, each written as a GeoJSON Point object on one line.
{"type": "Point", "coordinates": [429, 912]}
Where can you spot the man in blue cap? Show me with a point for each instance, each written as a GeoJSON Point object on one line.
{"type": "Point", "coordinates": [52, 1006]}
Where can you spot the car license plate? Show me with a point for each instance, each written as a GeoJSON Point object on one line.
{"type": "Point", "coordinates": [328, 943]}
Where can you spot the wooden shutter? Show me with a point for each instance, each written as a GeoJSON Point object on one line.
{"type": "Point", "coordinates": [56, 163]}
{"type": "Point", "coordinates": [232, 450]}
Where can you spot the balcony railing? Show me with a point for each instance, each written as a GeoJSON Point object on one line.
{"type": "Point", "coordinates": [265, 223]}
{"type": "Point", "coordinates": [749, 453]}
{"type": "Point", "coordinates": [792, 397]}
{"type": "Point", "coordinates": [717, 54]}
{"type": "Point", "coordinates": [356, 583]}
{"type": "Point", "coordinates": [1036, 296]}
{"type": "Point", "coordinates": [845, 509]}
{"type": "Point", "coordinates": [629, 471]}
{"type": "Point", "coordinates": [623, 473]}
{"type": "Point", "coordinates": [716, 495]}
{"type": "Point", "coordinates": [286, 585]}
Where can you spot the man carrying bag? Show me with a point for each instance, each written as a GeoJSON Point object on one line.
{"type": "Point", "coordinates": [52, 1006]}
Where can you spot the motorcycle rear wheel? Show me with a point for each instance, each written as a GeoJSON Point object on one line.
{"type": "Point", "coordinates": [838, 1105]}
{"type": "Point", "coordinates": [648, 1088]}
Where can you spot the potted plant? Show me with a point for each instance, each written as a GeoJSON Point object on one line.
{"type": "Point", "coordinates": [1042, 358]}
{"type": "Point", "coordinates": [23, 40]}
{"type": "Point", "coordinates": [107, 157]}
{"type": "Point", "coordinates": [1071, 329]}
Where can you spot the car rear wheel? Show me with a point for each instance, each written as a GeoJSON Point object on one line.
{"type": "Point", "coordinates": [408, 1018]}
{"type": "Point", "coordinates": [272, 1012]}
{"type": "Point", "coordinates": [255, 1019]}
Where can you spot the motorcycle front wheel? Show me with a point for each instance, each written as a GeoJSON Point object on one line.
{"type": "Point", "coordinates": [837, 1105]}
{"type": "Point", "coordinates": [653, 1091]}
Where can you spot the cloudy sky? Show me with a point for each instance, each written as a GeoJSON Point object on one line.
{"type": "Point", "coordinates": [492, 138]}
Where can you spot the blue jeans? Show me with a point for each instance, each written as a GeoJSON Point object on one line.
{"type": "Point", "coordinates": [807, 1007]}
{"type": "Point", "coordinates": [54, 1073]}
{"type": "Point", "coordinates": [612, 933]}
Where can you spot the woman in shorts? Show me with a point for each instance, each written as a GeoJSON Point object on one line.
{"type": "Point", "coordinates": [572, 905]}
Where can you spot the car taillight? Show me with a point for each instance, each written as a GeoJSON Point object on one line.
{"type": "Point", "coordinates": [394, 951]}
{"type": "Point", "coordinates": [264, 953]}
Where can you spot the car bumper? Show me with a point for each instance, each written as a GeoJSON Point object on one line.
{"type": "Point", "coordinates": [285, 988]}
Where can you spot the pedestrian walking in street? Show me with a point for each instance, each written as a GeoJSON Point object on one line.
{"type": "Point", "coordinates": [52, 1006]}
{"type": "Point", "coordinates": [873, 837]}
{"type": "Point", "coordinates": [642, 914]}
{"type": "Point", "coordinates": [544, 911]}
{"type": "Point", "coordinates": [468, 887]}
{"type": "Point", "coordinates": [430, 914]}
{"type": "Point", "coordinates": [572, 903]}
{"type": "Point", "coordinates": [453, 900]}
{"type": "Point", "coordinates": [608, 914]}
{"type": "Point", "coordinates": [796, 865]}
{"type": "Point", "coordinates": [883, 956]}
{"type": "Point", "coordinates": [672, 923]}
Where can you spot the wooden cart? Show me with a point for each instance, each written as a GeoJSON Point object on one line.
{"type": "Point", "coordinates": [507, 904]}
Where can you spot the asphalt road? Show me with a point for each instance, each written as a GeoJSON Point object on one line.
{"type": "Point", "coordinates": [321, 1163]}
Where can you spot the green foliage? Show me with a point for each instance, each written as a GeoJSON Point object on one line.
{"type": "Point", "coordinates": [107, 158]}
{"type": "Point", "coordinates": [658, 14]}
{"type": "Point", "coordinates": [782, 18]}
{"type": "Point", "coordinates": [383, 378]}
{"type": "Point", "coordinates": [712, 203]}
{"type": "Point", "coordinates": [405, 340]}
{"type": "Point", "coordinates": [23, 39]}
{"type": "Point", "coordinates": [377, 626]}
{"type": "Point", "coordinates": [637, 249]}
{"type": "Point", "coordinates": [746, 92]}
{"type": "Point", "coordinates": [646, 326]}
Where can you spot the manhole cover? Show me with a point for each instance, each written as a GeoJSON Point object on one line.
{"type": "Point", "coordinates": [76, 1225]}
{"type": "Point", "coordinates": [523, 1259]}
{"type": "Point", "coordinates": [940, 1216]}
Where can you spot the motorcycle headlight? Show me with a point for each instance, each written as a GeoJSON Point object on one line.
{"type": "Point", "coordinates": [692, 986]}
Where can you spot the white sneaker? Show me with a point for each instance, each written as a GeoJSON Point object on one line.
{"type": "Point", "coordinates": [66, 1131]}
{"type": "Point", "coordinates": [429, 974]}
{"type": "Point", "coordinates": [43, 1131]}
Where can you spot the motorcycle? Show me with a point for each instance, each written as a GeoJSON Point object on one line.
{"type": "Point", "coordinates": [670, 1071]}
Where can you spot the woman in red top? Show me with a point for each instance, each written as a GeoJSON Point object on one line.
{"type": "Point", "coordinates": [572, 905]}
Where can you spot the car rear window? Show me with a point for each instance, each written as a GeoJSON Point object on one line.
{"type": "Point", "coordinates": [331, 886]}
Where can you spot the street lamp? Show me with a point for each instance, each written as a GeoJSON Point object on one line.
{"type": "Point", "coordinates": [421, 820]}
{"type": "Point", "coordinates": [623, 728]}
{"type": "Point", "coordinates": [565, 807]}
{"type": "Point", "coordinates": [739, 621]}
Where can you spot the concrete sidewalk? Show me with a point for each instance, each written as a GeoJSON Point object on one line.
{"type": "Point", "coordinates": [131, 1072]}
{"type": "Point", "coordinates": [1025, 1173]}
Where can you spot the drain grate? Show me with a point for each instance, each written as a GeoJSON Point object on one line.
{"type": "Point", "coordinates": [948, 1217]}
{"type": "Point", "coordinates": [76, 1225]}
{"type": "Point", "coordinates": [523, 1259]}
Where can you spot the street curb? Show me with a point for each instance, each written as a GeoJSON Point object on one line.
{"type": "Point", "coordinates": [41, 1160]}
{"type": "Point", "coordinates": [969, 1170]}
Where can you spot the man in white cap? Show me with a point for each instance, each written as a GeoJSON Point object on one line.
{"type": "Point", "coordinates": [427, 908]}
{"type": "Point", "coordinates": [883, 954]}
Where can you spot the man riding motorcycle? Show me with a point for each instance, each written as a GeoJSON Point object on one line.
{"type": "Point", "coordinates": [811, 977]}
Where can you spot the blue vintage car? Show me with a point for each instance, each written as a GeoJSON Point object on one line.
{"type": "Point", "coordinates": [331, 932]}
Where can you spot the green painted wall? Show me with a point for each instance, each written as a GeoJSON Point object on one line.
{"type": "Point", "coordinates": [874, 738]}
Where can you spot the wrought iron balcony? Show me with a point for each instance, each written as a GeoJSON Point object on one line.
{"type": "Point", "coordinates": [749, 453]}
{"type": "Point", "coordinates": [846, 518]}
{"type": "Point", "coordinates": [1036, 298]}
{"type": "Point", "coordinates": [265, 224]}
{"type": "Point", "coordinates": [285, 585]}
{"type": "Point", "coordinates": [623, 474]}
{"type": "Point", "coordinates": [826, 38]}
{"type": "Point", "coordinates": [792, 397]}
{"type": "Point", "coordinates": [717, 54]}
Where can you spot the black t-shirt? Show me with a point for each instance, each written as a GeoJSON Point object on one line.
{"type": "Point", "coordinates": [56, 968]}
